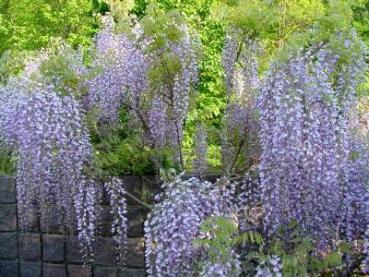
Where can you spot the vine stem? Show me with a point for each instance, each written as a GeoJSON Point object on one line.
{"type": "Point", "coordinates": [147, 206]}
{"type": "Point", "coordinates": [236, 156]}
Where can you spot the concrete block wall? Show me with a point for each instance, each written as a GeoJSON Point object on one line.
{"type": "Point", "coordinates": [46, 251]}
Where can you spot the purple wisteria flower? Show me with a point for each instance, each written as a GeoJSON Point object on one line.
{"type": "Point", "coordinates": [306, 171]}
{"type": "Point", "coordinates": [123, 67]}
{"type": "Point", "coordinates": [175, 222]}
{"type": "Point", "coordinates": [118, 205]}
{"type": "Point", "coordinates": [239, 134]}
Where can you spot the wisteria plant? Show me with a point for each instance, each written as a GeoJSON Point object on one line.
{"type": "Point", "coordinates": [149, 72]}
{"type": "Point", "coordinates": [43, 122]}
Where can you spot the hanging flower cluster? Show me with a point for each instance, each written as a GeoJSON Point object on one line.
{"type": "Point", "coordinates": [305, 106]}
{"type": "Point", "coordinates": [365, 264]}
{"type": "Point", "coordinates": [120, 73]}
{"type": "Point", "coordinates": [199, 164]}
{"type": "Point", "coordinates": [86, 214]}
{"type": "Point", "coordinates": [239, 137]}
{"type": "Point", "coordinates": [250, 210]}
{"type": "Point", "coordinates": [118, 205]}
{"type": "Point", "coordinates": [175, 222]}
{"type": "Point", "coordinates": [46, 129]}
{"type": "Point", "coordinates": [44, 125]}
{"type": "Point", "coordinates": [152, 83]}
{"type": "Point", "coordinates": [43, 121]}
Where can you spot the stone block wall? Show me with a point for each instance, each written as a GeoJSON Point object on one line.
{"type": "Point", "coordinates": [46, 251]}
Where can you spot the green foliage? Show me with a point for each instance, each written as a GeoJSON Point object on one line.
{"type": "Point", "coordinates": [11, 63]}
{"type": "Point", "coordinates": [220, 232]}
{"type": "Point", "coordinates": [284, 27]}
{"type": "Point", "coordinates": [210, 101]}
{"type": "Point", "coordinates": [30, 24]}
{"type": "Point", "coordinates": [120, 151]}
{"type": "Point", "coordinates": [60, 63]}
{"type": "Point", "coordinates": [361, 18]}
{"type": "Point", "coordinates": [6, 162]}
{"type": "Point", "coordinates": [281, 25]}
{"type": "Point", "coordinates": [208, 104]}
{"type": "Point", "coordinates": [221, 236]}
{"type": "Point", "coordinates": [298, 254]}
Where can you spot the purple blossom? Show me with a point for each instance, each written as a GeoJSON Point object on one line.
{"type": "Point", "coordinates": [44, 125]}
{"type": "Point", "coordinates": [175, 221]}
{"type": "Point", "coordinates": [239, 134]}
{"type": "Point", "coordinates": [123, 64]}
{"type": "Point", "coordinates": [118, 205]}
{"type": "Point", "coordinates": [305, 109]}
{"type": "Point", "coordinates": [199, 164]}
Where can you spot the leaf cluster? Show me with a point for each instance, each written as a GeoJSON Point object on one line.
{"type": "Point", "coordinates": [120, 151]}
{"type": "Point", "coordinates": [298, 253]}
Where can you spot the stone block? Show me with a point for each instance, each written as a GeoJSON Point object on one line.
{"type": "Point", "coordinates": [136, 252]}
{"type": "Point", "coordinates": [135, 221]}
{"type": "Point", "coordinates": [8, 246]}
{"type": "Point", "coordinates": [105, 253]}
{"type": "Point", "coordinates": [105, 221]}
{"type": "Point", "coordinates": [105, 272]}
{"type": "Point", "coordinates": [74, 254]}
{"type": "Point", "coordinates": [79, 271]}
{"type": "Point", "coordinates": [54, 270]}
{"type": "Point", "coordinates": [30, 269]}
{"type": "Point", "coordinates": [9, 268]}
{"type": "Point", "coordinates": [53, 248]}
{"type": "Point", "coordinates": [7, 190]}
{"type": "Point", "coordinates": [8, 217]}
{"type": "Point", "coordinates": [30, 246]}
{"type": "Point", "coordinates": [131, 272]}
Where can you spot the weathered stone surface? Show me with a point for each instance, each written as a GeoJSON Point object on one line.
{"type": "Point", "coordinates": [131, 272]}
{"type": "Point", "coordinates": [105, 272]}
{"type": "Point", "coordinates": [57, 248]}
{"type": "Point", "coordinates": [135, 221]}
{"type": "Point", "coordinates": [7, 190]}
{"type": "Point", "coordinates": [53, 246]}
{"type": "Point", "coordinates": [136, 252]}
{"type": "Point", "coordinates": [8, 246]}
{"type": "Point", "coordinates": [30, 246]}
{"type": "Point", "coordinates": [79, 271]}
{"type": "Point", "coordinates": [105, 252]}
{"type": "Point", "coordinates": [73, 250]}
{"type": "Point", "coordinates": [9, 268]}
{"type": "Point", "coordinates": [30, 269]}
{"type": "Point", "coordinates": [8, 217]}
{"type": "Point", "coordinates": [54, 270]}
